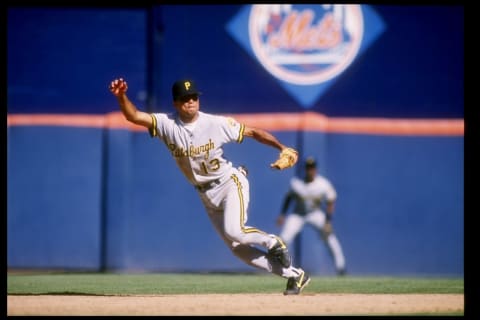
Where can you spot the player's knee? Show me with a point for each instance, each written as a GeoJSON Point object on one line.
{"type": "Point", "coordinates": [325, 234]}
{"type": "Point", "coordinates": [234, 235]}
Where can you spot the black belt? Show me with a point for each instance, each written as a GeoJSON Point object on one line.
{"type": "Point", "coordinates": [207, 186]}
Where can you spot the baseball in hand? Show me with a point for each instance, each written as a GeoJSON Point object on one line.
{"type": "Point", "coordinates": [118, 86]}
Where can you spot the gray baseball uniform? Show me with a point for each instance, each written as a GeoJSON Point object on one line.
{"type": "Point", "coordinates": [308, 197]}
{"type": "Point", "coordinates": [223, 188]}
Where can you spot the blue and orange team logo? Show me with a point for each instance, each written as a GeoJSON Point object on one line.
{"type": "Point", "coordinates": [305, 47]}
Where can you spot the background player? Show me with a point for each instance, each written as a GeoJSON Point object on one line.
{"type": "Point", "coordinates": [310, 195]}
{"type": "Point", "coordinates": [195, 141]}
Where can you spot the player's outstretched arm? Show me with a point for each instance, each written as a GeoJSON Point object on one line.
{"type": "Point", "coordinates": [264, 137]}
{"type": "Point", "coordinates": [288, 156]}
{"type": "Point", "coordinates": [119, 89]}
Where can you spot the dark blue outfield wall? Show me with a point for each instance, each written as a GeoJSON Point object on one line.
{"type": "Point", "coordinates": [399, 211]}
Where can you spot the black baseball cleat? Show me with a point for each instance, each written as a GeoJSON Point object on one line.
{"type": "Point", "coordinates": [280, 251]}
{"type": "Point", "coordinates": [341, 272]}
{"type": "Point", "coordinates": [295, 285]}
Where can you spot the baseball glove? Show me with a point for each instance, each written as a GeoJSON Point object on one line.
{"type": "Point", "coordinates": [287, 158]}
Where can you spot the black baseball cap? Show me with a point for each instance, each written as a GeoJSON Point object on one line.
{"type": "Point", "coordinates": [310, 163]}
{"type": "Point", "coordinates": [184, 87]}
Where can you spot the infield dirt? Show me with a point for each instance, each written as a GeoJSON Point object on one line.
{"type": "Point", "coordinates": [236, 304]}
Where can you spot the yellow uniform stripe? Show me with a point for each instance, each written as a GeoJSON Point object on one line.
{"type": "Point", "coordinates": [153, 129]}
{"type": "Point", "coordinates": [242, 208]}
{"type": "Point", "coordinates": [240, 134]}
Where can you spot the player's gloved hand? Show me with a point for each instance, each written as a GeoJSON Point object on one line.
{"type": "Point", "coordinates": [287, 158]}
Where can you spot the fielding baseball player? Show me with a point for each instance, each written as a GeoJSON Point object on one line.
{"type": "Point", "coordinates": [195, 140]}
{"type": "Point", "coordinates": [309, 194]}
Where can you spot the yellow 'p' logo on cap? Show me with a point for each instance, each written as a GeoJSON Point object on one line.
{"type": "Point", "coordinates": [187, 85]}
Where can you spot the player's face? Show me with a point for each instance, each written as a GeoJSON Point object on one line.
{"type": "Point", "coordinates": [188, 107]}
{"type": "Point", "coordinates": [310, 173]}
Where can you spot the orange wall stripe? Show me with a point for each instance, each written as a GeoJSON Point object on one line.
{"type": "Point", "coordinates": [312, 121]}
{"type": "Point", "coordinates": [71, 120]}
{"type": "Point", "coordinates": [309, 121]}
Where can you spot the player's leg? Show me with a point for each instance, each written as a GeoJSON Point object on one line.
{"type": "Point", "coordinates": [337, 253]}
{"type": "Point", "coordinates": [235, 214]}
{"type": "Point", "coordinates": [291, 227]}
{"type": "Point", "coordinates": [317, 219]}
{"type": "Point", "coordinates": [249, 254]}
{"type": "Point", "coordinates": [229, 219]}
{"type": "Point", "coordinates": [297, 278]}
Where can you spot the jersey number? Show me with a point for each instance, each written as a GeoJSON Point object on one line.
{"type": "Point", "coordinates": [214, 165]}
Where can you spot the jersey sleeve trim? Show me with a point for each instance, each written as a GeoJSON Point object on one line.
{"type": "Point", "coordinates": [240, 134]}
{"type": "Point", "coordinates": [153, 129]}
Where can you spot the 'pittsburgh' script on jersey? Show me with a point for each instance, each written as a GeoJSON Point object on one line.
{"type": "Point", "coordinates": [192, 151]}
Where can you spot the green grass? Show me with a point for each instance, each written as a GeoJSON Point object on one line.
{"type": "Point", "coordinates": [170, 283]}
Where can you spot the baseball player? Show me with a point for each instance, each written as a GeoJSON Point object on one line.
{"type": "Point", "coordinates": [309, 195]}
{"type": "Point", "coordinates": [195, 140]}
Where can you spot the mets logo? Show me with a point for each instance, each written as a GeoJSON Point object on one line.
{"type": "Point", "coordinates": [304, 46]}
